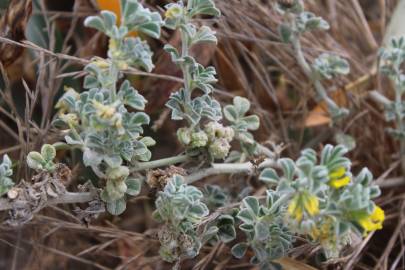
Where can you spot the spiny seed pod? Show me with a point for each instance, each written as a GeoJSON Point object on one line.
{"type": "Point", "coordinates": [199, 139]}
{"type": "Point", "coordinates": [219, 149]}
{"type": "Point", "coordinates": [169, 246]}
{"type": "Point", "coordinates": [187, 244]}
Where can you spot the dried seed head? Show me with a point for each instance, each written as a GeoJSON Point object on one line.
{"type": "Point", "coordinates": [159, 178]}
{"type": "Point", "coordinates": [13, 193]}
{"type": "Point", "coordinates": [63, 173]}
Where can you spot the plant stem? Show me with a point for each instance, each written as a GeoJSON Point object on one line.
{"type": "Point", "coordinates": [159, 163]}
{"type": "Point", "coordinates": [84, 197]}
{"type": "Point", "coordinates": [114, 71]}
{"type": "Point", "coordinates": [229, 168]}
{"type": "Point", "coordinates": [400, 124]}
{"type": "Point", "coordinates": [67, 198]}
{"type": "Point", "coordinates": [185, 48]}
{"type": "Point", "coordinates": [379, 98]}
{"type": "Point", "coordinates": [320, 89]}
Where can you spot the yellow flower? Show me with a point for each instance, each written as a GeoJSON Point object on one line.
{"type": "Point", "coordinates": [373, 221]}
{"type": "Point", "coordinates": [173, 12]}
{"type": "Point", "coordinates": [303, 202]}
{"type": "Point", "coordinates": [324, 233]}
{"type": "Point", "coordinates": [101, 63]}
{"type": "Point", "coordinates": [338, 178]}
{"type": "Point", "coordinates": [104, 111]}
{"type": "Point", "coordinates": [114, 48]}
{"type": "Point", "coordinates": [70, 118]}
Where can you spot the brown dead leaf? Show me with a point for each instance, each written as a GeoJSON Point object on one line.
{"type": "Point", "coordinates": [320, 116]}
{"type": "Point", "coordinates": [12, 26]}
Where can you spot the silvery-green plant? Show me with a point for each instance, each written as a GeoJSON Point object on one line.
{"type": "Point", "coordinates": [317, 198]}
{"type": "Point", "coordinates": [183, 105]}
{"type": "Point", "coordinates": [392, 59]}
{"type": "Point", "coordinates": [6, 172]}
{"type": "Point", "coordinates": [266, 231]}
{"type": "Point", "coordinates": [202, 111]}
{"type": "Point", "coordinates": [102, 121]}
{"type": "Point", "coordinates": [215, 196]}
{"type": "Point", "coordinates": [42, 161]}
{"type": "Point", "coordinates": [325, 201]}
{"type": "Point", "coordinates": [242, 124]}
{"type": "Point", "coordinates": [180, 207]}
{"type": "Point", "coordinates": [297, 22]}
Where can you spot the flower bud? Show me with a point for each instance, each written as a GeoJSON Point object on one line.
{"type": "Point", "coordinates": [104, 111]}
{"type": "Point", "coordinates": [118, 173]}
{"type": "Point", "coordinates": [116, 189]}
{"type": "Point", "coordinates": [122, 65]}
{"type": "Point", "coordinates": [215, 130]}
{"type": "Point", "coordinates": [199, 139]}
{"type": "Point", "coordinates": [62, 105]}
{"type": "Point", "coordinates": [174, 11]}
{"type": "Point", "coordinates": [219, 149]}
{"type": "Point", "coordinates": [228, 133]}
{"type": "Point", "coordinates": [70, 119]}
{"type": "Point", "coordinates": [184, 136]}
{"type": "Point", "coordinates": [101, 63]}
{"type": "Point", "coordinates": [211, 129]}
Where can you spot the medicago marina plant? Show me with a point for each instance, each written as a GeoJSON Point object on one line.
{"type": "Point", "coordinates": [315, 197]}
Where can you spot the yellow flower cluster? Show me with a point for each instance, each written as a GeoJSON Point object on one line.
{"type": "Point", "coordinates": [303, 202]}
{"type": "Point", "coordinates": [373, 221]}
{"type": "Point", "coordinates": [61, 105]}
{"type": "Point", "coordinates": [104, 111]}
{"type": "Point", "coordinates": [338, 178]}
{"type": "Point", "coordinates": [325, 233]}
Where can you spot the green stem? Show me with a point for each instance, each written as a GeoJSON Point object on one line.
{"type": "Point", "coordinates": [114, 71]}
{"type": "Point", "coordinates": [159, 163]}
{"type": "Point", "coordinates": [184, 69]}
{"type": "Point", "coordinates": [229, 168]}
{"type": "Point", "coordinates": [320, 89]}
{"type": "Point", "coordinates": [400, 125]}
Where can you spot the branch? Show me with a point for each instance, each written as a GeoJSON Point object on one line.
{"type": "Point", "coordinates": [229, 168]}
{"type": "Point", "coordinates": [67, 198]}
{"type": "Point", "coordinates": [302, 62]}
{"type": "Point", "coordinates": [160, 163]}
{"type": "Point", "coordinates": [379, 98]}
